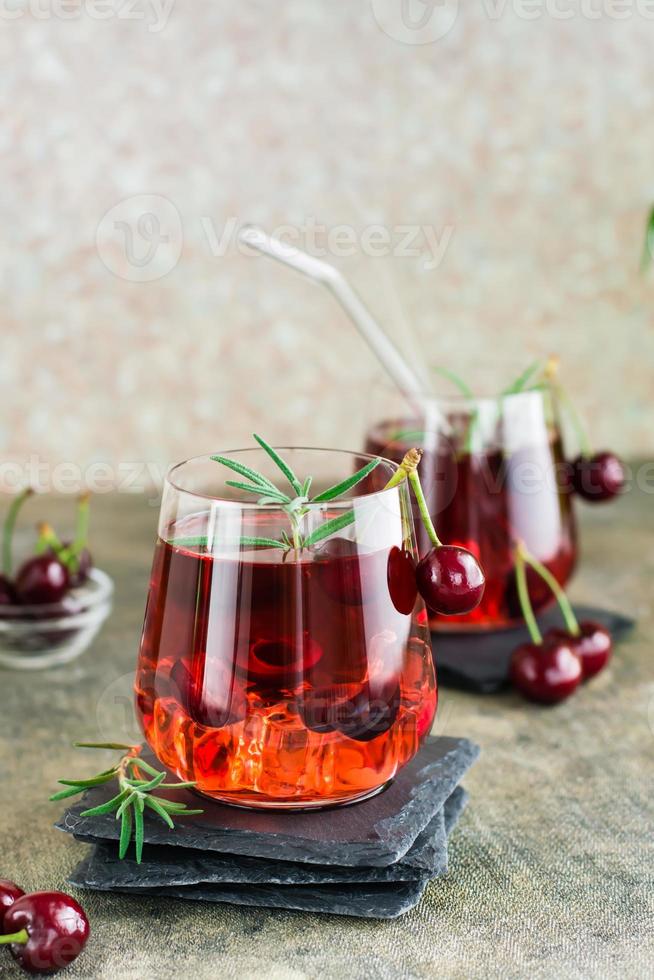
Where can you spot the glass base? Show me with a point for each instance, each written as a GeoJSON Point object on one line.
{"type": "Point", "coordinates": [289, 805]}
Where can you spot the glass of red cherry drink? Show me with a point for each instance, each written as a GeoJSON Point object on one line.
{"type": "Point", "coordinates": [493, 473]}
{"type": "Point", "coordinates": [281, 665]}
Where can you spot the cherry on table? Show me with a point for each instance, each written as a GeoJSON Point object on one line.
{"type": "Point", "coordinates": [9, 893]}
{"type": "Point", "coordinates": [450, 580]}
{"type": "Point", "coordinates": [45, 931]}
{"type": "Point", "coordinates": [43, 579]}
{"type": "Point", "coordinates": [546, 672]}
{"type": "Point", "coordinates": [599, 477]}
{"type": "Point", "coordinates": [593, 646]}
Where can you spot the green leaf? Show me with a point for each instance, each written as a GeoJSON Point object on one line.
{"type": "Point", "coordinates": [522, 379]}
{"type": "Point", "coordinates": [277, 497]}
{"type": "Point", "coordinates": [102, 745]}
{"type": "Point", "coordinates": [157, 781]}
{"type": "Point", "coordinates": [140, 764]}
{"type": "Point", "coordinates": [190, 782]}
{"type": "Point", "coordinates": [328, 528]}
{"type": "Point", "coordinates": [648, 246]}
{"type": "Point", "coordinates": [139, 830]}
{"type": "Point", "coordinates": [125, 832]}
{"type": "Point", "coordinates": [345, 485]}
{"type": "Point", "coordinates": [243, 470]}
{"type": "Point", "coordinates": [306, 486]}
{"type": "Point", "coordinates": [107, 807]}
{"type": "Point", "coordinates": [456, 380]}
{"type": "Point", "coordinates": [156, 806]}
{"type": "Point", "coordinates": [262, 543]}
{"type": "Point", "coordinates": [202, 541]}
{"type": "Point", "coordinates": [102, 777]}
{"type": "Point", "coordinates": [284, 467]}
{"type": "Point", "coordinates": [65, 793]}
{"type": "Point", "coordinates": [126, 804]}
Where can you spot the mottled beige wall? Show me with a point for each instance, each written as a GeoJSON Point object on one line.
{"type": "Point", "coordinates": [529, 142]}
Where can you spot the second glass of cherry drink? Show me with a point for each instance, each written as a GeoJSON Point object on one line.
{"type": "Point", "coordinates": [285, 662]}
{"type": "Point", "coordinates": [493, 473]}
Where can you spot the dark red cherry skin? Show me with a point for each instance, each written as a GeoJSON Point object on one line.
{"type": "Point", "coordinates": [450, 580]}
{"type": "Point", "coordinates": [593, 646]}
{"type": "Point", "coordinates": [41, 580]}
{"type": "Point", "coordinates": [401, 577]}
{"type": "Point", "coordinates": [57, 930]}
{"type": "Point", "coordinates": [547, 673]}
{"type": "Point", "coordinates": [7, 592]}
{"type": "Point", "coordinates": [599, 477]}
{"type": "Point", "coordinates": [9, 893]}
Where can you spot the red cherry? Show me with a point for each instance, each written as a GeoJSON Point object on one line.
{"type": "Point", "coordinates": [450, 580]}
{"type": "Point", "coordinates": [599, 477]}
{"type": "Point", "coordinates": [593, 646]}
{"type": "Point", "coordinates": [57, 930]}
{"type": "Point", "coordinates": [401, 576]}
{"type": "Point", "coordinates": [42, 580]}
{"type": "Point", "coordinates": [9, 893]}
{"type": "Point", "coordinates": [546, 672]}
{"type": "Point", "coordinates": [7, 593]}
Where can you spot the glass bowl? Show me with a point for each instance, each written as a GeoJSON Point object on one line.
{"type": "Point", "coordinates": [39, 636]}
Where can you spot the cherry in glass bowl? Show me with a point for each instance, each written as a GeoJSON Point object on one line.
{"type": "Point", "coordinates": [37, 636]}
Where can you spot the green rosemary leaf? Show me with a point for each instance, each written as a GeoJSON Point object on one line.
{"type": "Point", "coordinates": [102, 777]}
{"type": "Point", "coordinates": [277, 497]}
{"type": "Point", "coordinates": [140, 764]}
{"type": "Point", "coordinates": [284, 467]}
{"type": "Point", "coordinates": [522, 379]}
{"type": "Point", "coordinates": [157, 781]}
{"type": "Point", "coordinates": [189, 813]}
{"type": "Point", "coordinates": [328, 528]}
{"type": "Point", "coordinates": [65, 793]}
{"type": "Point", "coordinates": [648, 245]}
{"type": "Point", "coordinates": [306, 486]}
{"type": "Point", "coordinates": [178, 808]}
{"type": "Point", "coordinates": [126, 804]}
{"type": "Point", "coordinates": [125, 832]}
{"type": "Point", "coordinates": [408, 435]}
{"type": "Point", "coordinates": [202, 541]}
{"type": "Point", "coordinates": [243, 470]}
{"type": "Point", "coordinates": [263, 543]}
{"type": "Point", "coordinates": [273, 500]}
{"type": "Point", "coordinates": [156, 806]}
{"type": "Point", "coordinates": [102, 745]}
{"type": "Point", "coordinates": [139, 829]}
{"type": "Point", "coordinates": [345, 485]}
{"type": "Point", "coordinates": [107, 807]}
{"type": "Point", "coordinates": [190, 782]}
{"type": "Point", "coordinates": [456, 380]}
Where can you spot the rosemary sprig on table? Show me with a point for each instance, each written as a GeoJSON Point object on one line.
{"type": "Point", "coordinates": [135, 794]}
{"type": "Point", "coordinates": [296, 506]}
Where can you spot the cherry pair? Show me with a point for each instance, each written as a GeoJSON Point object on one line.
{"type": "Point", "coordinates": [551, 667]}
{"type": "Point", "coordinates": [45, 931]}
{"type": "Point", "coordinates": [55, 568]}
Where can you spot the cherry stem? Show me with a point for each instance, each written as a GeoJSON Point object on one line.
{"type": "Point", "coordinates": [8, 529]}
{"type": "Point", "coordinates": [564, 603]}
{"type": "Point", "coordinates": [82, 528]}
{"type": "Point", "coordinates": [525, 601]}
{"type": "Point", "coordinates": [416, 486]}
{"type": "Point", "coordinates": [16, 937]}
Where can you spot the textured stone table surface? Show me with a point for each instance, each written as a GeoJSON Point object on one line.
{"type": "Point", "coordinates": [551, 868]}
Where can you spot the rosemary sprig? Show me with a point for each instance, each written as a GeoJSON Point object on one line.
{"type": "Point", "coordinates": [297, 507]}
{"type": "Point", "coordinates": [136, 793]}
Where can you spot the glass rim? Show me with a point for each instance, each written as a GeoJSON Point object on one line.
{"type": "Point", "coordinates": [458, 401]}
{"type": "Point", "coordinates": [270, 508]}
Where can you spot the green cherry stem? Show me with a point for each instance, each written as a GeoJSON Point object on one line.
{"type": "Point", "coordinates": [523, 596]}
{"type": "Point", "coordinates": [82, 527]}
{"type": "Point", "coordinates": [564, 603]}
{"type": "Point", "coordinates": [8, 529]}
{"type": "Point", "coordinates": [16, 937]}
{"type": "Point", "coordinates": [408, 469]}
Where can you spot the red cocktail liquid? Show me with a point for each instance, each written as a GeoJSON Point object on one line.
{"type": "Point", "coordinates": [486, 501]}
{"type": "Point", "coordinates": [279, 681]}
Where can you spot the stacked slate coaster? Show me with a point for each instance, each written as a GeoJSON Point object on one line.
{"type": "Point", "coordinates": [371, 859]}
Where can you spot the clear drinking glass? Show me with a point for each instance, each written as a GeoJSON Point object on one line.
{"type": "Point", "coordinates": [494, 473]}
{"type": "Point", "coordinates": [284, 679]}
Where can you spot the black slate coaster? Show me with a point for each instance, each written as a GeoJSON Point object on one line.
{"type": "Point", "coordinates": [376, 832]}
{"type": "Point", "coordinates": [480, 661]}
{"type": "Point", "coordinates": [383, 899]}
{"type": "Point", "coordinates": [170, 867]}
